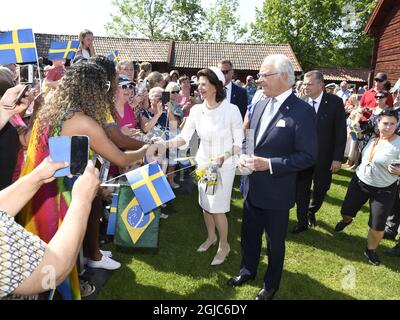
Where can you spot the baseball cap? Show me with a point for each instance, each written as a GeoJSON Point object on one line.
{"type": "Point", "coordinates": [380, 76]}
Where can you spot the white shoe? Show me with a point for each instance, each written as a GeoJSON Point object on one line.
{"type": "Point", "coordinates": [204, 247]}
{"type": "Point", "coordinates": [103, 253]}
{"type": "Point", "coordinates": [105, 263]}
{"type": "Point", "coordinates": [174, 185]}
{"type": "Point", "coordinates": [163, 216]}
{"type": "Point", "coordinates": [219, 260]}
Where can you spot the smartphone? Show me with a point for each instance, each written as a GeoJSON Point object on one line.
{"type": "Point", "coordinates": [60, 150]}
{"type": "Point", "coordinates": [166, 97]}
{"type": "Point", "coordinates": [26, 74]}
{"type": "Point", "coordinates": [12, 104]}
{"type": "Point", "coordinates": [395, 163]}
{"type": "Point", "coordinates": [142, 87]}
{"type": "Point", "coordinates": [103, 166]}
{"type": "Point", "coordinates": [193, 88]}
{"type": "Point", "coordinates": [79, 154]}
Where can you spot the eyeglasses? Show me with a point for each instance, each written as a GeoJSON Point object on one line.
{"type": "Point", "coordinates": [265, 75]}
{"type": "Point", "coordinates": [226, 71]}
{"type": "Point", "coordinates": [175, 92]}
{"type": "Point", "coordinates": [124, 87]}
{"type": "Point", "coordinates": [108, 85]}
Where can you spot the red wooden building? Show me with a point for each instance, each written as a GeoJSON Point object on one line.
{"type": "Point", "coordinates": [384, 26]}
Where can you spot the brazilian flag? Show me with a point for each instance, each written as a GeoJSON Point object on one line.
{"type": "Point", "coordinates": [134, 228]}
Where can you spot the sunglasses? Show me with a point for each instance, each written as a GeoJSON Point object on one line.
{"type": "Point", "coordinates": [226, 71]}
{"type": "Point", "coordinates": [175, 92]}
{"type": "Point", "coordinates": [124, 87]}
{"type": "Point", "coordinates": [379, 80]}
{"type": "Point", "coordinates": [379, 97]}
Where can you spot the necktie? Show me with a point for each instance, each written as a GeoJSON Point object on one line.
{"type": "Point", "coordinates": [266, 118]}
{"type": "Point", "coordinates": [313, 105]}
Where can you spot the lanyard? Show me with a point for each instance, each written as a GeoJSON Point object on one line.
{"type": "Point", "coordinates": [373, 150]}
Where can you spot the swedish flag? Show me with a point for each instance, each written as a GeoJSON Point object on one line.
{"type": "Point", "coordinates": [114, 56]}
{"type": "Point", "coordinates": [63, 49]}
{"type": "Point", "coordinates": [17, 46]}
{"type": "Point", "coordinates": [135, 220]}
{"type": "Point", "coordinates": [150, 186]}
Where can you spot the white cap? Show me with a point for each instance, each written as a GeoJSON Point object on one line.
{"type": "Point", "coordinates": [219, 74]}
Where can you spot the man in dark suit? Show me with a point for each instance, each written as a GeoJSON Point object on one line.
{"type": "Point", "coordinates": [331, 129]}
{"type": "Point", "coordinates": [283, 128]}
{"type": "Point", "coordinates": [235, 94]}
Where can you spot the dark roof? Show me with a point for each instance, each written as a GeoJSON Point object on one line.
{"type": "Point", "coordinates": [196, 55]}
{"type": "Point", "coordinates": [378, 15]}
{"type": "Point", "coordinates": [200, 55]}
{"type": "Point", "coordinates": [129, 49]}
{"type": "Point", "coordinates": [345, 74]}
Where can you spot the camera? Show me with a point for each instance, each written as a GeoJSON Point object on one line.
{"type": "Point", "coordinates": [193, 88]}
{"type": "Point", "coordinates": [27, 74]}
{"type": "Point", "coordinates": [395, 163]}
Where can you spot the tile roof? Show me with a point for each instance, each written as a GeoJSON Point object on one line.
{"type": "Point", "coordinates": [188, 54]}
{"type": "Point", "coordinates": [243, 56]}
{"type": "Point", "coordinates": [345, 74]}
{"type": "Point", "coordinates": [129, 49]}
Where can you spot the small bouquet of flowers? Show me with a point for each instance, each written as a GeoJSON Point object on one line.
{"type": "Point", "coordinates": [208, 176]}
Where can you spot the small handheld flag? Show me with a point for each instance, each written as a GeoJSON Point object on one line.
{"type": "Point", "coordinates": [150, 186]}
{"type": "Point", "coordinates": [112, 219]}
{"type": "Point", "coordinates": [17, 46]}
{"type": "Point", "coordinates": [63, 49]}
{"type": "Point", "coordinates": [114, 56]}
{"type": "Point", "coordinates": [135, 220]}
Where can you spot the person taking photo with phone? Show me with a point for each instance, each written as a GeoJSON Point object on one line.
{"type": "Point", "coordinates": [375, 181]}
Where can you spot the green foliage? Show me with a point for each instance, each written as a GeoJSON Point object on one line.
{"type": "Point", "coordinates": [139, 18]}
{"type": "Point", "coordinates": [321, 32]}
{"type": "Point", "coordinates": [223, 24]}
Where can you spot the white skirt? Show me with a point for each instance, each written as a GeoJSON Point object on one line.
{"type": "Point", "coordinates": [220, 202]}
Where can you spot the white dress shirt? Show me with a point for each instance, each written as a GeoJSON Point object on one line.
{"type": "Point", "coordinates": [229, 91]}
{"type": "Point", "coordinates": [318, 102]}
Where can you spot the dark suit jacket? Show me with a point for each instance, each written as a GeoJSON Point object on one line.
{"type": "Point", "coordinates": [291, 148]}
{"type": "Point", "coordinates": [331, 129]}
{"type": "Point", "coordinates": [239, 98]}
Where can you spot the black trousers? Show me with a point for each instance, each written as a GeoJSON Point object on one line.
{"type": "Point", "coordinates": [393, 221]}
{"type": "Point", "coordinates": [274, 223]}
{"type": "Point", "coordinates": [307, 201]}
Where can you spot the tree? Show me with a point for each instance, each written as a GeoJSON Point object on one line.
{"type": "Point", "coordinates": [139, 18]}
{"type": "Point", "coordinates": [186, 17]}
{"type": "Point", "coordinates": [321, 32]}
{"type": "Point", "coordinates": [222, 22]}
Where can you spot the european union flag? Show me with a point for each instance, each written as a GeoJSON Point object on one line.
{"type": "Point", "coordinates": [135, 220]}
{"type": "Point", "coordinates": [63, 49]}
{"type": "Point", "coordinates": [17, 46]}
{"type": "Point", "coordinates": [150, 186]}
{"type": "Point", "coordinates": [114, 56]}
{"type": "Point", "coordinates": [112, 218]}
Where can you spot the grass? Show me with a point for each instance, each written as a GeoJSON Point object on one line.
{"type": "Point", "coordinates": [318, 265]}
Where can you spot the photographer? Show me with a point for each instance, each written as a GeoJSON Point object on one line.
{"type": "Point", "coordinates": [28, 260]}
{"type": "Point", "coordinates": [375, 181]}
{"type": "Point", "coordinates": [188, 95]}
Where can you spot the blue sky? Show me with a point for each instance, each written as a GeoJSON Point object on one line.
{"type": "Point", "coordinates": [53, 16]}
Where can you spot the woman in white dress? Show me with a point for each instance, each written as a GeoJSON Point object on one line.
{"type": "Point", "coordinates": [220, 127]}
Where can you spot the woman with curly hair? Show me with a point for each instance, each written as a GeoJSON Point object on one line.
{"type": "Point", "coordinates": [79, 106]}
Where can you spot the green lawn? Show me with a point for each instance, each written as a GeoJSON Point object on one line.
{"type": "Point", "coordinates": [317, 263]}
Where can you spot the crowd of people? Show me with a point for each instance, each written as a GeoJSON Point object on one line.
{"type": "Point", "coordinates": [286, 138]}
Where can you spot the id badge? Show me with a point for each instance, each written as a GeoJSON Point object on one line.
{"type": "Point", "coordinates": [368, 170]}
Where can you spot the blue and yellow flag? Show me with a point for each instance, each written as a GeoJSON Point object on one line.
{"type": "Point", "coordinates": [114, 56]}
{"type": "Point", "coordinates": [150, 186]}
{"type": "Point", "coordinates": [112, 218]}
{"type": "Point", "coordinates": [17, 46]}
{"type": "Point", "coordinates": [63, 49]}
{"type": "Point", "coordinates": [135, 220]}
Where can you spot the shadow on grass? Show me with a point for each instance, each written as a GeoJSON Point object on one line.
{"type": "Point", "coordinates": [347, 246]}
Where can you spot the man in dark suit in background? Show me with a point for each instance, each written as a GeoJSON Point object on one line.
{"type": "Point", "coordinates": [284, 131]}
{"type": "Point", "coordinates": [331, 129]}
{"type": "Point", "coordinates": [235, 94]}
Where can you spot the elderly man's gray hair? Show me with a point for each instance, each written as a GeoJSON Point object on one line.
{"type": "Point", "coordinates": [282, 64]}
